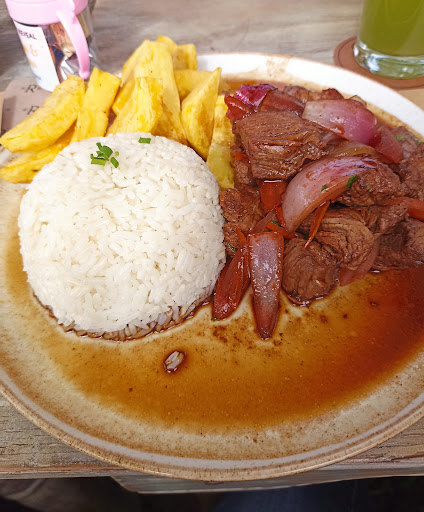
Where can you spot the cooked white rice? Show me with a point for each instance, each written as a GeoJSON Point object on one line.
{"type": "Point", "coordinates": [122, 251]}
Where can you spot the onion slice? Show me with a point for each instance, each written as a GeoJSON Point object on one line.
{"type": "Point", "coordinates": [320, 181]}
{"type": "Point", "coordinates": [347, 118]}
{"type": "Point", "coordinates": [252, 95]}
{"type": "Point", "coordinates": [265, 252]}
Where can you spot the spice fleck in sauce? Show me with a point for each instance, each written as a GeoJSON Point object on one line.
{"type": "Point", "coordinates": [320, 357]}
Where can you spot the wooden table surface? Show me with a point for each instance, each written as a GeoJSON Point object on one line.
{"type": "Point", "coordinates": [309, 29]}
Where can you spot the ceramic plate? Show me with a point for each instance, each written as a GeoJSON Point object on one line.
{"type": "Point", "coordinates": [336, 378]}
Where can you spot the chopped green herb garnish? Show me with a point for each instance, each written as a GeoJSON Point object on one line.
{"type": "Point", "coordinates": [114, 162]}
{"type": "Point", "coordinates": [116, 153]}
{"type": "Point", "coordinates": [368, 187]}
{"type": "Point", "coordinates": [214, 319]}
{"type": "Point", "coordinates": [324, 187]}
{"type": "Point", "coordinates": [351, 181]}
{"type": "Point", "coordinates": [400, 136]}
{"type": "Point", "coordinates": [104, 150]}
{"type": "Point", "coordinates": [231, 247]}
{"type": "Point", "coordinates": [276, 223]}
{"type": "Point", "coordinates": [98, 161]}
{"type": "Point", "coordinates": [144, 140]}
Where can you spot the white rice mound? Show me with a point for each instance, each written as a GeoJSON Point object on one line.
{"type": "Point", "coordinates": [121, 252]}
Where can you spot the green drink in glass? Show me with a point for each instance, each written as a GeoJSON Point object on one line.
{"type": "Point", "coordinates": [391, 38]}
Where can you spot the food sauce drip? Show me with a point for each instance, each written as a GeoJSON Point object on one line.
{"type": "Point", "coordinates": [319, 358]}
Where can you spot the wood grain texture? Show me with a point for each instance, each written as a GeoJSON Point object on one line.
{"type": "Point", "coordinates": [223, 25]}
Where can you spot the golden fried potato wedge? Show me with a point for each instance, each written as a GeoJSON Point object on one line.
{"type": "Point", "coordinates": [123, 96]}
{"type": "Point", "coordinates": [155, 61]}
{"type": "Point", "coordinates": [219, 156]}
{"type": "Point", "coordinates": [185, 57]}
{"type": "Point", "coordinates": [44, 127]}
{"type": "Point", "coordinates": [93, 118]}
{"type": "Point", "coordinates": [143, 109]}
{"type": "Point", "coordinates": [24, 168]}
{"type": "Point", "coordinates": [188, 79]}
{"type": "Point", "coordinates": [197, 113]}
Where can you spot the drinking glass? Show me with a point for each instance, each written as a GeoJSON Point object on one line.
{"type": "Point", "coordinates": [391, 38]}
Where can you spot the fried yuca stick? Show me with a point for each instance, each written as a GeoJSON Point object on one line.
{"type": "Point", "coordinates": [197, 113]}
{"type": "Point", "coordinates": [143, 109]}
{"type": "Point", "coordinates": [219, 156]}
{"type": "Point", "coordinates": [44, 126]}
{"type": "Point", "coordinates": [93, 118]}
{"type": "Point", "coordinates": [24, 168]}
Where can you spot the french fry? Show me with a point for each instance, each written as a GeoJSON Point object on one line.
{"type": "Point", "coordinates": [24, 168]}
{"type": "Point", "coordinates": [188, 79]}
{"type": "Point", "coordinates": [143, 109]}
{"type": "Point", "coordinates": [123, 96]}
{"type": "Point", "coordinates": [155, 61]}
{"type": "Point", "coordinates": [44, 127]}
{"type": "Point", "coordinates": [93, 118]}
{"type": "Point", "coordinates": [197, 113]}
{"type": "Point", "coordinates": [219, 156]}
{"type": "Point", "coordinates": [185, 57]}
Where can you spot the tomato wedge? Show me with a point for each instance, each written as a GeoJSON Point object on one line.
{"type": "Point", "coordinates": [271, 193]}
{"type": "Point", "coordinates": [232, 285]}
{"type": "Point", "coordinates": [415, 208]}
{"type": "Point", "coordinates": [265, 253]}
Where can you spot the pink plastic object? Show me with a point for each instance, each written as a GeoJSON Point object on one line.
{"type": "Point", "coordinates": [45, 12]}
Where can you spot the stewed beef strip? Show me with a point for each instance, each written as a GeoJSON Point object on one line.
{"type": "Point", "coordinates": [402, 247]}
{"type": "Point", "coordinates": [411, 174]}
{"type": "Point", "coordinates": [243, 173]}
{"type": "Point", "coordinates": [372, 186]}
{"type": "Point", "coordinates": [344, 235]}
{"type": "Point", "coordinates": [407, 140]}
{"type": "Point", "coordinates": [242, 208]}
{"type": "Point", "coordinates": [277, 143]}
{"type": "Point", "coordinates": [305, 95]}
{"type": "Point", "coordinates": [308, 273]}
{"type": "Point", "coordinates": [381, 219]}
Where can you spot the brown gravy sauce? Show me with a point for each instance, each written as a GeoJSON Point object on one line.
{"type": "Point", "coordinates": [320, 357]}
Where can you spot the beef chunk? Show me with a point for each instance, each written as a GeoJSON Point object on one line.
{"type": "Point", "coordinates": [231, 239]}
{"type": "Point", "coordinates": [373, 186]}
{"type": "Point", "coordinates": [242, 173]}
{"type": "Point", "coordinates": [308, 274]}
{"type": "Point", "coordinates": [411, 174]}
{"type": "Point", "coordinates": [402, 247]}
{"type": "Point", "coordinates": [242, 206]}
{"type": "Point", "coordinates": [277, 143]}
{"type": "Point", "coordinates": [381, 219]}
{"type": "Point", "coordinates": [243, 209]}
{"type": "Point", "coordinates": [344, 235]}
{"type": "Point", "coordinates": [407, 140]}
{"type": "Point", "coordinates": [305, 95]}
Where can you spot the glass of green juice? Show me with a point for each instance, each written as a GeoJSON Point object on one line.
{"type": "Point", "coordinates": [391, 38]}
